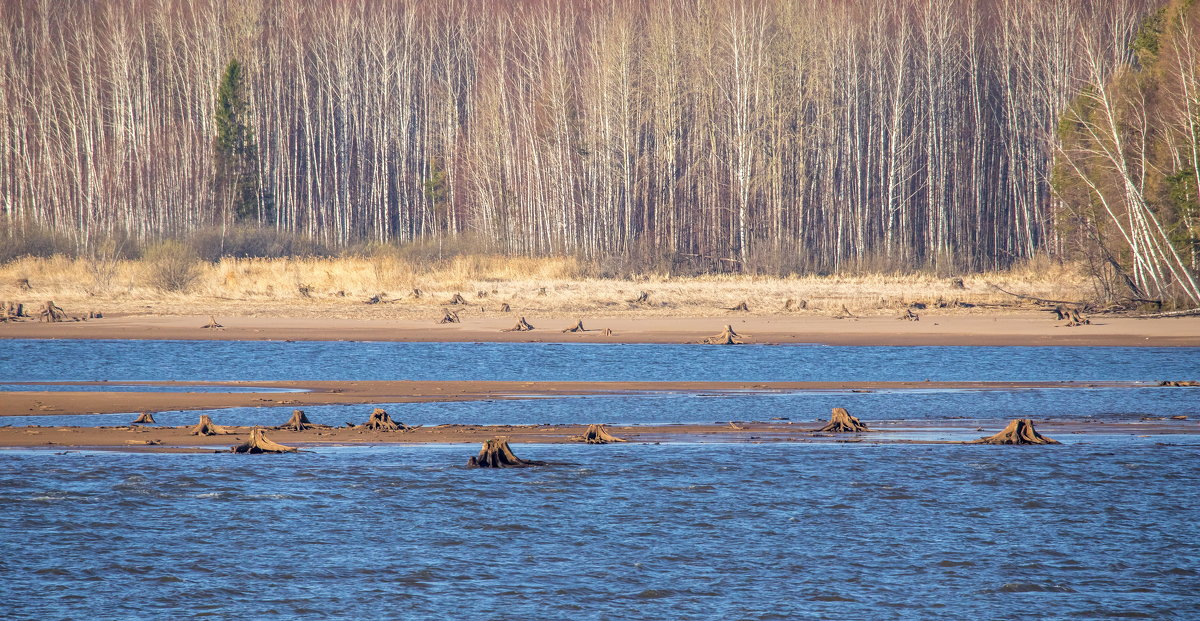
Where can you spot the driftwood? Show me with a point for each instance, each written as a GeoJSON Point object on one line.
{"type": "Point", "coordinates": [1018, 431]}
{"type": "Point", "coordinates": [259, 443]}
{"type": "Point", "coordinates": [740, 307]}
{"type": "Point", "coordinates": [640, 298]}
{"type": "Point", "coordinates": [299, 422]}
{"type": "Point", "coordinates": [842, 422]}
{"type": "Point", "coordinates": [728, 337]}
{"type": "Point", "coordinates": [909, 316]}
{"type": "Point", "coordinates": [457, 299]}
{"type": "Point", "coordinates": [495, 454]}
{"type": "Point", "coordinates": [449, 316]}
{"type": "Point", "coordinates": [1182, 313]}
{"type": "Point", "coordinates": [522, 326]}
{"type": "Point", "coordinates": [505, 308]}
{"type": "Point", "coordinates": [1022, 296]}
{"type": "Point", "coordinates": [145, 418]}
{"type": "Point", "coordinates": [578, 327]}
{"type": "Point", "coordinates": [207, 428]}
{"type": "Point", "coordinates": [381, 421]}
{"type": "Point", "coordinates": [51, 312]}
{"type": "Point", "coordinates": [597, 434]}
{"type": "Point", "coordinates": [212, 324]}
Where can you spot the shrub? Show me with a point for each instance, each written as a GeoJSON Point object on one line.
{"type": "Point", "coordinates": [172, 266]}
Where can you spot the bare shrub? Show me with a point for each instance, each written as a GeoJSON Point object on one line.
{"type": "Point", "coordinates": [171, 266]}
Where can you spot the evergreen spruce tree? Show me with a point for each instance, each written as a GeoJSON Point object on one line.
{"type": "Point", "coordinates": [236, 164]}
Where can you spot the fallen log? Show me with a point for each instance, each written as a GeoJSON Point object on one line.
{"type": "Point", "coordinates": [578, 327]}
{"type": "Point", "coordinates": [522, 326]}
{"type": "Point", "coordinates": [840, 421]}
{"type": "Point", "coordinates": [299, 422]}
{"type": "Point", "coordinates": [207, 428]}
{"type": "Point", "coordinates": [495, 454]}
{"type": "Point", "coordinates": [727, 337]}
{"type": "Point", "coordinates": [1022, 296]}
{"type": "Point", "coordinates": [597, 434]}
{"type": "Point", "coordinates": [259, 443]}
{"type": "Point", "coordinates": [145, 418]}
{"type": "Point", "coordinates": [1018, 431]}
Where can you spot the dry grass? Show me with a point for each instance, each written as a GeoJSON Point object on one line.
{"type": "Point", "coordinates": [550, 287]}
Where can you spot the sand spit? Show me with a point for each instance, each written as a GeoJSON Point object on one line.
{"type": "Point", "coordinates": [34, 403]}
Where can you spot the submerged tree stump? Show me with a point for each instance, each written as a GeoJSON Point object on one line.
{"type": "Point", "coordinates": [145, 418]}
{"type": "Point", "coordinates": [840, 421]}
{"type": "Point", "coordinates": [522, 326]}
{"type": "Point", "coordinates": [212, 324]}
{"type": "Point", "coordinates": [381, 421]}
{"type": "Point", "coordinates": [259, 443]}
{"type": "Point", "coordinates": [449, 316]}
{"type": "Point", "coordinates": [578, 327]}
{"type": "Point", "coordinates": [299, 422]}
{"type": "Point", "coordinates": [495, 454]}
{"type": "Point", "coordinates": [909, 316]}
{"type": "Point", "coordinates": [728, 337]}
{"type": "Point", "coordinates": [207, 428]}
{"type": "Point", "coordinates": [51, 312]}
{"type": "Point", "coordinates": [743, 307]}
{"type": "Point", "coordinates": [597, 434]}
{"type": "Point", "coordinates": [1018, 431]}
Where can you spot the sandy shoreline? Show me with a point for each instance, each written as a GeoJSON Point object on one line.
{"type": "Point", "coordinates": [34, 403]}
{"type": "Point", "coordinates": [179, 439]}
{"type": "Point", "coordinates": [1014, 329]}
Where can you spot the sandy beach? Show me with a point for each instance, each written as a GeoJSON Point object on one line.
{"type": "Point", "coordinates": [1029, 328]}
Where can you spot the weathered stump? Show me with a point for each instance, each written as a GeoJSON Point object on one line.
{"type": "Point", "coordinates": [212, 324]}
{"type": "Point", "coordinates": [1075, 318]}
{"type": "Point", "coordinates": [457, 299]}
{"type": "Point", "coordinates": [145, 418]}
{"type": "Point", "coordinates": [743, 307]}
{"type": "Point", "coordinates": [448, 316]}
{"type": "Point", "coordinates": [791, 304]}
{"type": "Point", "coordinates": [845, 314]}
{"type": "Point", "coordinates": [415, 294]}
{"type": "Point", "coordinates": [51, 312]}
{"type": "Point", "coordinates": [578, 327]}
{"type": "Point", "coordinates": [522, 326]}
{"type": "Point", "coordinates": [481, 294]}
{"type": "Point", "coordinates": [957, 283]}
{"type": "Point", "coordinates": [541, 291]}
{"type": "Point", "coordinates": [607, 332]}
{"type": "Point", "coordinates": [305, 290]}
{"type": "Point", "coordinates": [909, 316]}
{"type": "Point", "coordinates": [207, 428]}
{"type": "Point", "coordinates": [597, 434]}
{"type": "Point", "coordinates": [495, 454]}
{"type": "Point", "coordinates": [1018, 431]}
{"type": "Point", "coordinates": [728, 337]}
{"type": "Point", "coordinates": [375, 299]}
{"type": "Point", "coordinates": [299, 422]}
{"type": "Point", "coordinates": [505, 308]}
{"type": "Point", "coordinates": [840, 421]}
{"type": "Point", "coordinates": [259, 443]}
{"type": "Point", "coordinates": [23, 284]}
{"type": "Point", "coordinates": [381, 421]}
{"type": "Point", "coordinates": [95, 315]}
{"type": "Point", "coordinates": [641, 298]}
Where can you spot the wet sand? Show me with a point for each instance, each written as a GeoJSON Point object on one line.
{"type": "Point", "coordinates": [1018, 329]}
{"type": "Point", "coordinates": [179, 439]}
{"type": "Point", "coordinates": [33, 403]}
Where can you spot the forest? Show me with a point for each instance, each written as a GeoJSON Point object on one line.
{"type": "Point", "coordinates": [747, 136]}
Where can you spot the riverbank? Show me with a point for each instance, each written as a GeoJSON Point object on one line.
{"type": "Point", "coordinates": [1028, 328]}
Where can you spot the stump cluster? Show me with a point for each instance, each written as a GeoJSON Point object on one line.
{"type": "Point", "coordinates": [840, 421]}
{"type": "Point", "coordinates": [207, 428]}
{"type": "Point", "coordinates": [380, 420]}
{"type": "Point", "coordinates": [145, 418]}
{"type": "Point", "coordinates": [1018, 431]}
{"type": "Point", "coordinates": [522, 326]}
{"type": "Point", "coordinates": [299, 422]}
{"type": "Point", "coordinates": [11, 311]}
{"type": "Point", "coordinates": [259, 443]}
{"type": "Point", "coordinates": [51, 312]}
{"type": "Point", "coordinates": [597, 434]}
{"type": "Point", "coordinates": [495, 454]}
{"type": "Point", "coordinates": [727, 337]}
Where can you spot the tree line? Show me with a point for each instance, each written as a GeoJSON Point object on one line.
{"type": "Point", "coordinates": [725, 135]}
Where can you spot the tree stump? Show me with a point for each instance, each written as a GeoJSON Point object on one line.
{"type": "Point", "coordinates": [845, 314]}
{"type": "Point", "coordinates": [791, 304]}
{"type": "Point", "coordinates": [449, 316]}
{"type": "Point", "coordinates": [457, 299]}
{"type": "Point", "coordinates": [212, 324]}
{"type": "Point", "coordinates": [145, 418]}
{"type": "Point", "coordinates": [641, 298]}
{"type": "Point", "coordinates": [1076, 318]}
{"type": "Point", "coordinates": [597, 434]}
{"type": "Point", "coordinates": [381, 421]}
{"type": "Point", "coordinates": [957, 283]}
{"type": "Point", "coordinates": [207, 428]}
{"type": "Point", "coordinates": [375, 299]}
{"type": "Point", "coordinates": [481, 294]}
{"type": "Point", "coordinates": [743, 307]}
{"type": "Point", "coordinates": [95, 315]}
{"type": "Point", "coordinates": [607, 332]}
{"type": "Point", "coordinates": [1018, 431]}
{"type": "Point", "coordinates": [259, 443]}
{"type": "Point", "coordinates": [522, 326]}
{"type": "Point", "coordinates": [578, 327]}
{"type": "Point", "coordinates": [909, 316]}
{"type": "Point", "coordinates": [842, 422]}
{"type": "Point", "coordinates": [495, 454]}
{"type": "Point", "coordinates": [51, 312]}
{"type": "Point", "coordinates": [505, 308]}
{"type": "Point", "coordinates": [23, 284]}
{"type": "Point", "coordinates": [728, 337]}
{"type": "Point", "coordinates": [299, 422]}
{"type": "Point", "coordinates": [305, 290]}
{"type": "Point", "coordinates": [416, 294]}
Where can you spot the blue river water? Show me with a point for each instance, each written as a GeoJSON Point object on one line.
{"type": "Point", "coordinates": [1102, 528]}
